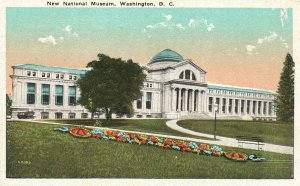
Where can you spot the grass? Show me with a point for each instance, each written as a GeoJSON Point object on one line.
{"type": "Point", "coordinates": [271, 132]}
{"type": "Point", "coordinates": [36, 151]}
{"type": "Point", "coordinates": [142, 125]}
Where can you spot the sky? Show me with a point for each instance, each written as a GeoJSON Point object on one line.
{"type": "Point", "coordinates": [239, 46]}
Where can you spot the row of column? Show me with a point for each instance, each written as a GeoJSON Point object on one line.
{"type": "Point", "coordinates": [191, 100]}
{"type": "Point", "coordinates": [229, 106]}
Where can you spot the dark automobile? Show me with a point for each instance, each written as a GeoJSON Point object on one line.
{"type": "Point", "coordinates": [26, 115]}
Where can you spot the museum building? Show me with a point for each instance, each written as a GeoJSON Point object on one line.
{"type": "Point", "coordinates": [174, 88]}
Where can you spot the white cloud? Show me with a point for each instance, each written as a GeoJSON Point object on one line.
{"type": "Point", "coordinates": [68, 29]}
{"type": "Point", "coordinates": [180, 26]}
{"type": "Point", "coordinates": [48, 40]}
{"type": "Point", "coordinates": [271, 37]}
{"type": "Point", "coordinates": [283, 16]}
{"type": "Point", "coordinates": [191, 22]}
{"type": "Point", "coordinates": [61, 38]}
{"type": "Point", "coordinates": [210, 27]}
{"type": "Point", "coordinates": [201, 22]}
{"type": "Point", "coordinates": [250, 49]}
{"type": "Point", "coordinates": [168, 17]}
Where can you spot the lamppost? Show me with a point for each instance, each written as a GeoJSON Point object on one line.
{"type": "Point", "coordinates": [216, 109]}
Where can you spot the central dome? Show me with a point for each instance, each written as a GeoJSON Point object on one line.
{"type": "Point", "coordinates": [166, 55]}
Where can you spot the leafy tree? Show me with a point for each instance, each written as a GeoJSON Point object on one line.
{"type": "Point", "coordinates": [285, 93]}
{"type": "Point", "coordinates": [8, 105]}
{"type": "Point", "coordinates": [111, 85]}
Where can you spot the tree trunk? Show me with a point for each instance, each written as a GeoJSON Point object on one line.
{"type": "Point", "coordinates": [108, 115]}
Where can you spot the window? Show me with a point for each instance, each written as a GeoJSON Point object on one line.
{"type": "Point", "coordinates": [254, 107]}
{"type": "Point", "coordinates": [28, 73]}
{"type": "Point", "coordinates": [187, 74]}
{"type": "Point", "coordinates": [30, 93]}
{"type": "Point", "coordinates": [44, 115]}
{"type": "Point", "coordinates": [72, 115]}
{"type": "Point", "coordinates": [259, 106]}
{"type": "Point", "coordinates": [248, 106]}
{"type": "Point", "coordinates": [33, 73]}
{"type": "Point", "coordinates": [236, 106]}
{"type": "Point", "coordinates": [84, 115]}
{"type": "Point", "coordinates": [193, 76]}
{"type": "Point", "coordinates": [48, 75]}
{"type": "Point", "coordinates": [70, 77]}
{"type": "Point", "coordinates": [75, 77]}
{"type": "Point", "coordinates": [72, 95]}
{"type": "Point", "coordinates": [181, 75]}
{"type": "Point", "coordinates": [210, 102]}
{"type": "Point", "coordinates": [61, 76]}
{"type": "Point", "coordinates": [265, 108]}
{"type": "Point", "coordinates": [230, 105]}
{"type": "Point", "coordinates": [217, 103]}
{"type": "Point", "coordinates": [45, 94]}
{"type": "Point", "coordinates": [150, 85]}
{"type": "Point", "coordinates": [242, 106]}
{"type": "Point", "coordinates": [148, 100]}
{"type": "Point", "coordinates": [224, 105]}
{"type": "Point", "coordinates": [57, 76]}
{"type": "Point", "coordinates": [43, 74]}
{"type": "Point", "coordinates": [139, 103]}
{"type": "Point", "coordinates": [58, 115]}
{"type": "Point", "coordinates": [59, 91]}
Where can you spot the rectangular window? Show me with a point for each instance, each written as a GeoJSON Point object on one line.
{"type": "Point", "coordinates": [45, 94]}
{"type": "Point", "coordinates": [218, 103]}
{"type": "Point", "coordinates": [259, 106]}
{"type": "Point", "coordinates": [210, 102]}
{"type": "Point", "coordinates": [28, 73]}
{"type": "Point", "coordinates": [70, 77]}
{"type": "Point", "coordinates": [148, 100]}
{"type": "Point", "coordinates": [61, 76]}
{"type": "Point", "coordinates": [75, 77]}
{"type": "Point", "coordinates": [72, 95]}
{"type": "Point", "coordinates": [43, 74]}
{"type": "Point", "coordinates": [59, 92]}
{"type": "Point", "coordinates": [265, 108]}
{"type": "Point", "coordinates": [48, 75]}
{"type": "Point", "coordinates": [248, 106]}
{"type": "Point", "coordinates": [57, 76]}
{"type": "Point", "coordinates": [236, 106]}
{"type": "Point", "coordinates": [139, 103]}
{"type": "Point", "coordinates": [242, 106]}
{"type": "Point", "coordinates": [254, 107]}
{"type": "Point", "coordinates": [230, 106]}
{"type": "Point", "coordinates": [33, 73]}
{"type": "Point", "coordinates": [224, 105]}
{"type": "Point", "coordinates": [30, 93]}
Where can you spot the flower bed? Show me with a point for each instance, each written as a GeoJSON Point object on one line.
{"type": "Point", "coordinates": [186, 146]}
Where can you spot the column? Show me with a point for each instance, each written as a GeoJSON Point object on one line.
{"type": "Point", "coordinates": [267, 109]}
{"type": "Point", "coordinates": [179, 99]}
{"type": "Point", "coordinates": [227, 106]}
{"type": "Point", "coordinates": [186, 100]}
{"type": "Point", "coordinates": [199, 101]}
{"type": "Point", "coordinates": [144, 101]}
{"type": "Point", "coordinates": [220, 105]}
{"type": "Point", "coordinates": [245, 107]}
{"type": "Point", "coordinates": [261, 108]}
{"type": "Point", "coordinates": [233, 106]}
{"type": "Point", "coordinates": [204, 105]}
{"type": "Point", "coordinates": [251, 108]}
{"type": "Point", "coordinates": [256, 108]}
{"type": "Point", "coordinates": [52, 95]}
{"type": "Point", "coordinates": [239, 106]}
{"type": "Point", "coordinates": [38, 88]}
{"type": "Point", "coordinates": [193, 100]}
{"type": "Point", "coordinates": [173, 99]}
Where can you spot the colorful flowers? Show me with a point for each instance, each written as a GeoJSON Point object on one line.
{"type": "Point", "coordinates": [167, 143]}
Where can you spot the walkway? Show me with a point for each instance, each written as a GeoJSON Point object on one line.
{"type": "Point", "coordinates": [232, 142]}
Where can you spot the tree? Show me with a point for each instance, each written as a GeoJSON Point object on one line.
{"type": "Point", "coordinates": [285, 93]}
{"type": "Point", "coordinates": [8, 105]}
{"type": "Point", "coordinates": [111, 85]}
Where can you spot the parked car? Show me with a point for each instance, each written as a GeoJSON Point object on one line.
{"type": "Point", "coordinates": [26, 115]}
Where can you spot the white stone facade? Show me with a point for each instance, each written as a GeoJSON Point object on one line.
{"type": "Point", "coordinates": [174, 88]}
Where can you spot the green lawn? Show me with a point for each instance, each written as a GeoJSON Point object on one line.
{"type": "Point", "coordinates": [36, 151]}
{"type": "Point", "coordinates": [272, 132]}
{"type": "Point", "coordinates": [142, 125]}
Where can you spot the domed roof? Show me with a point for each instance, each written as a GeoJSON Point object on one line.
{"type": "Point", "coordinates": [166, 55]}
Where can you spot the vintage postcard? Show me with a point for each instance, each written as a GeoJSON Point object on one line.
{"type": "Point", "coordinates": [154, 92]}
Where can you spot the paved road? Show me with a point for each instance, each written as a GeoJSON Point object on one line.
{"type": "Point", "coordinates": [229, 141]}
